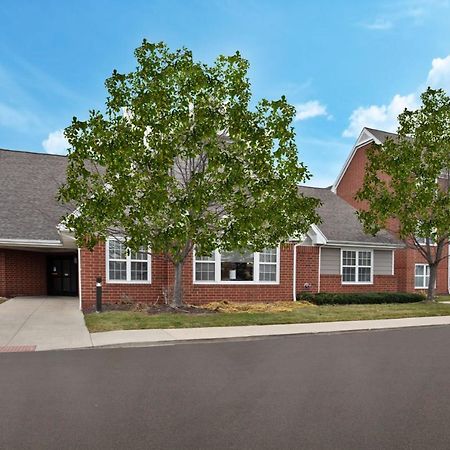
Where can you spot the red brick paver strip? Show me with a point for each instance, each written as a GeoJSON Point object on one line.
{"type": "Point", "coordinates": [18, 348]}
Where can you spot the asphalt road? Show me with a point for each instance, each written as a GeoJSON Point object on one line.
{"type": "Point", "coordinates": [367, 390]}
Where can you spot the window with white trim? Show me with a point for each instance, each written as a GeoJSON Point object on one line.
{"type": "Point", "coordinates": [205, 267]}
{"type": "Point", "coordinates": [126, 266]}
{"type": "Point", "coordinates": [268, 265]}
{"type": "Point", "coordinates": [422, 276]}
{"type": "Point", "coordinates": [357, 266]}
{"type": "Point", "coordinates": [238, 267]}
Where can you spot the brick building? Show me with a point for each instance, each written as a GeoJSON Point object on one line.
{"type": "Point", "coordinates": [38, 257]}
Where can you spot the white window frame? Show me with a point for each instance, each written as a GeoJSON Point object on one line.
{"type": "Point", "coordinates": [356, 266]}
{"type": "Point", "coordinates": [217, 271]}
{"type": "Point", "coordinates": [424, 276]}
{"type": "Point", "coordinates": [128, 262]}
{"type": "Point", "coordinates": [423, 241]}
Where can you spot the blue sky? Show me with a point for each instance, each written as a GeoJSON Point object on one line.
{"type": "Point", "coordinates": [343, 64]}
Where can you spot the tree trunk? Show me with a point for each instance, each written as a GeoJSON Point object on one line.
{"type": "Point", "coordinates": [177, 298]}
{"type": "Point", "coordinates": [432, 282]}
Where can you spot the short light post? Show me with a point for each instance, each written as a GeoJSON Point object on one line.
{"type": "Point", "coordinates": [98, 297]}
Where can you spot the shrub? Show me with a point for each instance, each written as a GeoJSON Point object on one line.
{"type": "Point", "coordinates": [325, 298]}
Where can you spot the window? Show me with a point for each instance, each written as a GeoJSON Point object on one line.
{"type": "Point", "coordinates": [357, 266]}
{"type": "Point", "coordinates": [423, 241]}
{"type": "Point", "coordinates": [205, 268]}
{"type": "Point", "coordinates": [125, 266]}
{"type": "Point", "coordinates": [268, 265]}
{"type": "Point", "coordinates": [237, 267]}
{"type": "Point", "coordinates": [422, 276]}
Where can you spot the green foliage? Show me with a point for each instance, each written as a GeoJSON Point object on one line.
{"type": "Point", "coordinates": [407, 181]}
{"type": "Point", "coordinates": [408, 192]}
{"type": "Point", "coordinates": [179, 159]}
{"type": "Point", "coordinates": [325, 298]}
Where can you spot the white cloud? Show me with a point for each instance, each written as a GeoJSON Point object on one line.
{"type": "Point", "coordinates": [383, 117]}
{"type": "Point", "coordinates": [309, 110]}
{"type": "Point", "coordinates": [378, 25]}
{"type": "Point", "coordinates": [439, 75]}
{"type": "Point", "coordinates": [56, 143]}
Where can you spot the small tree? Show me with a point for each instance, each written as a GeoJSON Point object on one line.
{"type": "Point", "coordinates": [180, 160]}
{"type": "Point", "coordinates": [406, 183]}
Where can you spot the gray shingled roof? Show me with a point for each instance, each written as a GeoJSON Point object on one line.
{"type": "Point", "coordinates": [339, 220]}
{"type": "Point", "coordinates": [383, 135]}
{"type": "Point", "coordinates": [28, 185]}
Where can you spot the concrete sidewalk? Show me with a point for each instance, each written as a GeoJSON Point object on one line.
{"type": "Point", "coordinates": [124, 338]}
{"type": "Point", "coordinates": [52, 323]}
{"type": "Point", "coordinates": [42, 323]}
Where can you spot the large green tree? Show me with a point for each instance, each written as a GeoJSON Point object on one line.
{"type": "Point", "coordinates": [180, 159]}
{"type": "Point", "coordinates": [406, 184]}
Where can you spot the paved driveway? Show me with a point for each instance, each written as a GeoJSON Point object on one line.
{"type": "Point", "coordinates": [43, 322]}
{"type": "Point", "coordinates": [351, 391]}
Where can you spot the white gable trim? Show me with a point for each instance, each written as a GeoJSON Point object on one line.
{"type": "Point", "coordinates": [317, 237]}
{"type": "Point", "coordinates": [364, 138]}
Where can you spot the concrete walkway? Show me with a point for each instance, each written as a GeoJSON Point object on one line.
{"type": "Point", "coordinates": [42, 323]}
{"type": "Point", "coordinates": [124, 338]}
{"type": "Point", "coordinates": [50, 323]}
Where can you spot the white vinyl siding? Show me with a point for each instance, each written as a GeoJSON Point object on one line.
{"type": "Point", "coordinates": [330, 262]}
{"type": "Point", "coordinates": [383, 262]}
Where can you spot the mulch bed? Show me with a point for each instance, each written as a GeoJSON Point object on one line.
{"type": "Point", "coordinates": [155, 309]}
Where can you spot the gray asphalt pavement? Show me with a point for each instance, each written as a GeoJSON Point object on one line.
{"type": "Point", "coordinates": [367, 390]}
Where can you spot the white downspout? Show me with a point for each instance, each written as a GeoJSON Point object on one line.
{"type": "Point", "coordinates": [79, 277]}
{"type": "Point", "coordinates": [448, 268]}
{"type": "Point", "coordinates": [318, 271]}
{"type": "Point", "coordinates": [294, 274]}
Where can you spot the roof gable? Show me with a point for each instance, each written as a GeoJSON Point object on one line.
{"type": "Point", "coordinates": [340, 222]}
{"type": "Point", "coordinates": [367, 135]}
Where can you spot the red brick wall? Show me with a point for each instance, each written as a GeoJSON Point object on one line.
{"type": "Point", "coordinates": [307, 269]}
{"type": "Point", "coordinates": [93, 264]}
{"type": "Point", "coordinates": [2, 274]}
{"type": "Point", "coordinates": [353, 177]}
{"type": "Point", "coordinates": [24, 273]}
{"type": "Point", "coordinates": [352, 181]}
{"type": "Point", "coordinates": [405, 260]}
{"type": "Point", "coordinates": [204, 293]}
{"type": "Point", "coordinates": [381, 283]}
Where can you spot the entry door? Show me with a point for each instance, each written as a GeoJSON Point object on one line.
{"type": "Point", "coordinates": [62, 275]}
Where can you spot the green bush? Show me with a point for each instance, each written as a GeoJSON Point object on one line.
{"type": "Point", "coordinates": [369, 298]}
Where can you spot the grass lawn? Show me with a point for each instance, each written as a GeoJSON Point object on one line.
{"type": "Point", "coordinates": [300, 313]}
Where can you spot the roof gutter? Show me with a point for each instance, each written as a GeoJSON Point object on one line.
{"type": "Point", "coordinates": [386, 246]}
{"type": "Point", "coordinates": [30, 243]}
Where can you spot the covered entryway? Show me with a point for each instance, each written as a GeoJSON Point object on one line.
{"type": "Point", "coordinates": [62, 275]}
{"type": "Point", "coordinates": [36, 272]}
{"type": "Point", "coordinates": [43, 322]}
